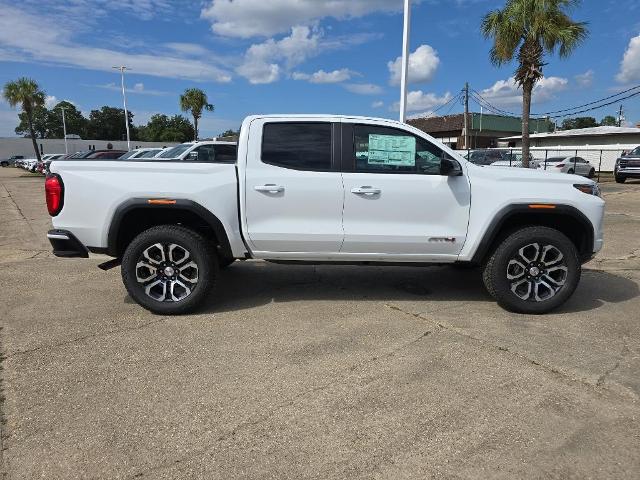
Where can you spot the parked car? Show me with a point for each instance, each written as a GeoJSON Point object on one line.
{"type": "Point", "coordinates": [514, 159]}
{"type": "Point", "coordinates": [486, 157]}
{"type": "Point", "coordinates": [140, 153]}
{"type": "Point", "coordinates": [11, 161]}
{"type": "Point", "coordinates": [628, 166]}
{"type": "Point", "coordinates": [571, 165]}
{"type": "Point", "coordinates": [43, 166]}
{"type": "Point", "coordinates": [205, 151]}
{"type": "Point", "coordinates": [105, 155]}
{"type": "Point", "coordinates": [327, 189]}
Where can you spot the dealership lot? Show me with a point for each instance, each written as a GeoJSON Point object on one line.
{"type": "Point", "coordinates": [315, 372]}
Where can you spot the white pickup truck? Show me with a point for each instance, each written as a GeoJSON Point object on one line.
{"type": "Point", "coordinates": [326, 189]}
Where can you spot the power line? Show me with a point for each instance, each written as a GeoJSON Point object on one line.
{"type": "Point", "coordinates": [596, 101]}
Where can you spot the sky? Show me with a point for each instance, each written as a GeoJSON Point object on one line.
{"type": "Point", "coordinates": [298, 56]}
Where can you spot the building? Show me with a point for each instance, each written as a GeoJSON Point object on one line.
{"type": "Point", "coordinates": [623, 137]}
{"type": "Point", "coordinates": [24, 146]}
{"type": "Point", "coordinates": [484, 130]}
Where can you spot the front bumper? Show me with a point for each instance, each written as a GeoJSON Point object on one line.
{"type": "Point", "coordinates": [66, 245]}
{"type": "Point", "coordinates": [632, 172]}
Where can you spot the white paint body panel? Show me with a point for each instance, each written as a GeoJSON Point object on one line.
{"type": "Point", "coordinates": [316, 217]}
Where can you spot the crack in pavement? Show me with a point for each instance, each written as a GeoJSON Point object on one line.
{"type": "Point", "coordinates": [623, 353]}
{"type": "Point", "coordinates": [85, 337]}
{"type": "Point", "coordinates": [340, 377]}
{"type": "Point", "coordinates": [549, 368]}
{"type": "Point", "coordinates": [19, 210]}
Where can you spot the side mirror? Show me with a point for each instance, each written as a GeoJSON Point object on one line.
{"type": "Point", "coordinates": [192, 156]}
{"type": "Point", "coordinates": [450, 168]}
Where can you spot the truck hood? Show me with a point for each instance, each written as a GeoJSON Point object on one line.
{"type": "Point", "coordinates": [515, 174]}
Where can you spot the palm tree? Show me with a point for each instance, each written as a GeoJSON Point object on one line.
{"type": "Point", "coordinates": [195, 101]}
{"type": "Point", "coordinates": [529, 29]}
{"type": "Point", "coordinates": [26, 93]}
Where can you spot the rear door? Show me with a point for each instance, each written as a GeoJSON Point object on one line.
{"type": "Point", "coordinates": [397, 204]}
{"type": "Point", "coordinates": [293, 188]}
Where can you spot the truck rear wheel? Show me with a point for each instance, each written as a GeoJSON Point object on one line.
{"type": "Point", "coordinates": [169, 269]}
{"type": "Point", "coordinates": [534, 270]}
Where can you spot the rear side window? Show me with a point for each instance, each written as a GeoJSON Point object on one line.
{"type": "Point", "coordinates": [226, 153]}
{"type": "Point", "coordinates": [299, 146]}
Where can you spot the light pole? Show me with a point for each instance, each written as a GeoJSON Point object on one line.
{"type": "Point", "coordinates": [122, 68]}
{"type": "Point", "coordinates": [64, 130]}
{"type": "Point", "coordinates": [405, 61]}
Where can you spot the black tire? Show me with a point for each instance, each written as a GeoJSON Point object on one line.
{"type": "Point", "coordinates": [4, 164]}
{"type": "Point", "coordinates": [620, 179]}
{"type": "Point", "coordinates": [201, 252]}
{"type": "Point", "coordinates": [500, 266]}
{"type": "Point", "coordinates": [570, 171]}
{"type": "Point", "coordinates": [592, 173]}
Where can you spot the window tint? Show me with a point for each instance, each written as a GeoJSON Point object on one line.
{"type": "Point", "coordinates": [382, 149]}
{"type": "Point", "coordinates": [301, 146]}
{"type": "Point", "coordinates": [226, 154]}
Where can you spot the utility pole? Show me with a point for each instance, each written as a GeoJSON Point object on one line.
{"type": "Point", "coordinates": [466, 116]}
{"type": "Point", "coordinates": [620, 116]}
{"type": "Point", "coordinates": [404, 80]}
{"type": "Point", "coordinates": [64, 130]}
{"type": "Point", "coordinates": [122, 68]}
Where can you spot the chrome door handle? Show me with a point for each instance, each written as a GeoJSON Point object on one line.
{"type": "Point", "coordinates": [269, 188]}
{"type": "Point", "coordinates": [366, 191]}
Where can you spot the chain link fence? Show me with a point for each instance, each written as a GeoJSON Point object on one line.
{"type": "Point", "coordinates": [579, 160]}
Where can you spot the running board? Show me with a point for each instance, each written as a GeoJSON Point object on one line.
{"type": "Point", "coordinates": [110, 264]}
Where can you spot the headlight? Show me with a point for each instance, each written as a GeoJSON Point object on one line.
{"type": "Point", "coordinates": [589, 189]}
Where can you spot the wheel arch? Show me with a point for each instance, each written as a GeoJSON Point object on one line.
{"type": "Point", "coordinates": [138, 214]}
{"type": "Point", "coordinates": [564, 218]}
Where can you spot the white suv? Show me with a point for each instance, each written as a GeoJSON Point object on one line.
{"type": "Point", "coordinates": [205, 151]}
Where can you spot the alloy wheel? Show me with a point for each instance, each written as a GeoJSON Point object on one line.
{"type": "Point", "coordinates": [537, 272]}
{"type": "Point", "coordinates": [167, 272]}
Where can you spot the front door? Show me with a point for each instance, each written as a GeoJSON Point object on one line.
{"type": "Point", "coordinates": [397, 203]}
{"type": "Point", "coordinates": [294, 191]}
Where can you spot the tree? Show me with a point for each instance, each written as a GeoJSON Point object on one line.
{"type": "Point", "coordinates": [230, 133]}
{"type": "Point", "coordinates": [609, 121]}
{"type": "Point", "coordinates": [107, 124]}
{"type": "Point", "coordinates": [195, 101]}
{"type": "Point", "coordinates": [162, 128]}
{"type": "Point", "coordinates": [26, 93]}
{"type": "Point", "coordinates": [75, 121]}
{"type": "Point", "coordinates": [39, 120]}
{"type": "Point", "coordinates": [527, 30]}
{"type": "Point", "coordinates": [579, 122]}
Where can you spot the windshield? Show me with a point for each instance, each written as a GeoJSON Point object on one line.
{"type": "Point", "coordinates": [149, 154]}
{"type": "Point", "coordinates": [129, 154]}
{"type": "Point", "coordinates": [175, 152]}
{"type": "Point", "coordinates": [635, 152]}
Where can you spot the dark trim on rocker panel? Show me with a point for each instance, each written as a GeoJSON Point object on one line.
{"type": "Point", "coordinates": [188, 205]}
{"type": "Point", "coordinates": [510, 210]}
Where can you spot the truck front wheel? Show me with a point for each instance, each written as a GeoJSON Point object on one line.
{"type": "Point", "coordinates": [169, 269]}
{"type": "Point", "coordinates": [534, 270]}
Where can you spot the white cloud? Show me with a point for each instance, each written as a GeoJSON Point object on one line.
{"type": "Point", "coordinates": [254, 18]}
{"type": "Point", "coordinates": [364, 88]}
{"type": "Point", "coordinates": [630, 65]}
{"type": "Point", "coordinates": [138, 88]}
{"type": "Point", "coordinates": [57, 46]}
{"type": "Point", "coordinates": [418, 100]}
{"type": "Point", "coordinates": [264, 62]}
{"type": "Point", "coordinates": [506, 93]}
{"type": "Point", "coordinates": [423, 64]}
{"type": "Point", "coordinates": [50, 101]}
{"type": "Point", "coordinates": [377, 104]}
{"type": "Point", "coordinates": [585, 79]}
{"type": "Point", "coordinates": [336, 76]}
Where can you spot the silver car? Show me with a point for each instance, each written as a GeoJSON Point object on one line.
{"type": "Point", "coordinates": [571, 165]}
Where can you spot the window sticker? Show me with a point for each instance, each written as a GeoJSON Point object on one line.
{"type": "Point", "coordinates": [392, 150]}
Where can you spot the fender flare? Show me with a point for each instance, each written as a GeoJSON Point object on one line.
{"type": "Point", "coordinates": [180, 204]}
{"type": "Point", "coordinates": [501, 218]}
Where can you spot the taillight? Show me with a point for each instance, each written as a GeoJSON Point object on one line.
{"type": "Point", "coordinates": [54, 192]}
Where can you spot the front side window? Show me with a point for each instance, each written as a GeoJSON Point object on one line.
{"type": "Point", "coordinates": [299, 146]}
{"type": "Point", "coordinates": [389, 150]}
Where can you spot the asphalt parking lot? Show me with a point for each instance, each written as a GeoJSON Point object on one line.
{"type": "Point", "coordinates": [315, 372]}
